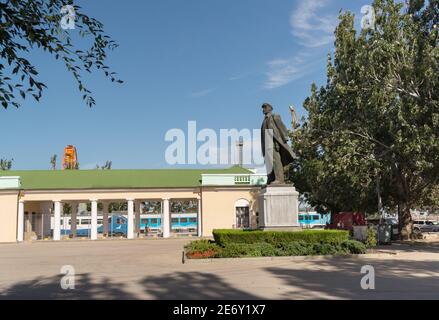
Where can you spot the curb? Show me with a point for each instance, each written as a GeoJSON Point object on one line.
{"type": "Point", "coordinates": [186, 260]}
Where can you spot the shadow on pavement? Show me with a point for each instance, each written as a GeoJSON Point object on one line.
{"type": "Point", "coordinates": [50, 288]}
{"type": "Point", "coordinates": [340, 278]}
{"type": "Point", "coordinates": [179, 285]}
{"type": "Point", "coordinates": [193, 286]}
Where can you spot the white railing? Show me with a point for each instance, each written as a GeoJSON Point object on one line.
{"type": "Point", "coordinates": [233, 179]}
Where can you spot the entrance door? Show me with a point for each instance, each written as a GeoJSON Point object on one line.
{"type": "Point", "coordinates": [242, 217]}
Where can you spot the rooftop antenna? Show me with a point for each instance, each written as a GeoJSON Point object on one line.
{"type": "Point", "coordinates": [240, 147]}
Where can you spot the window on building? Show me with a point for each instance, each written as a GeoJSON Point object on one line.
{"type": "Point", "coordinates": [151, 207]}
{"type": "Point", "coordinates": [184, 206]}
{"type": "Point", "coordinates": [120, 221]}
{"type": "Point", "coordinates": [242, 217]}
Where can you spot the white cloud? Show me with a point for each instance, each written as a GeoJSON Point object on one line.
{"type": "Point", "coordinates": [239, 76]}
{"type": "Point", "coordinates": [201, 93]}
{"type": "Point", "coordinates": [311, 25]}
{"type": "Point", "coordinates": [313, 28]}
{"type": "Point", "coordinates": [283, 71]}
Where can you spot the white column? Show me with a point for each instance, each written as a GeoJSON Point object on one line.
{"type": "Point", "coordinates": [20, 222]}
{"type": "Point", "coordinates": [130, 226]}
{"type": "Point", "coordinates": [166, 219]}
{"type": "Point", "coordinates": [57, 221]}
{"type": "Point", "coordinates": [199, 219]}
{"type": "Point", "coordinates": [94, 220]}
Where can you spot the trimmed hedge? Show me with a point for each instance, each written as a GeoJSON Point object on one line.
{"type": "Point", "coordinates": [277, 238]}
{"type": "Point", "coordinates": [202, 249]}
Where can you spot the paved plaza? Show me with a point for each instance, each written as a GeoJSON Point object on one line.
{"type": "Point", "coordinates": [153, 269]}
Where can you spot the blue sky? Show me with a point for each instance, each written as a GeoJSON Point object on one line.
{"type": "Point", "coordinates": [212, 61]}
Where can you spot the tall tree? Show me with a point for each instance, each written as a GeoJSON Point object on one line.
{"type": "Point", "coordinates": [53, 161]}
{"type": "Point", "coordinates": [5, 164]}
{"type": "Point", "coordinates": [106, 166]}
{"type": "Point", "coordinates": [27, 25]}
{"type": "Point", "coordinates": [377, 118]}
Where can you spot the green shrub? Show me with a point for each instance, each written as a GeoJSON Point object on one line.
{"type": "Point", "coordinates": [371, 238]}
{"type": "Point", "coordinates": [200, 245]}
{"type": "Point", "coordinates": [202, 249]}
{"type": "Point", "coordinates": [277, 238]}
{"type": "Point", "coordinates": [266, 250]}
{"type": "Point", "coordinates": [235, 250]}
{"type": "Point", "coordinates": [296, 248]}
{"type": "Point", "coordinates": [279, 246]}
{"type": "Point", "coordinates": [323, 249]}
{"type": "Point", "coordinates": [354, 247]}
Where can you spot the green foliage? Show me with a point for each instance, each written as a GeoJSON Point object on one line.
{"type": "Point", "coordinates": [326, 249]}
{"type": "Point", "coordinates": [225, 237]}
{"type": "Point", "coordinates": [203, 249]}
{"type": "Point", "coordinates": [53, 161]}
{"type": "Point", "coordinates": [377, 117]}
{"type": "Point", "coordinates": [371, 237]}
{"type": "Point", "coordinates": [296, 248]}
{"type": "Point", "coordinates": [200, 245]}
{"type": "Point", "coordinates": [28, 25]}
{"type": "Point", "coordinates": [235, 250]}
{"type": "Point", "coordinates": [208, 249]}
{"type": "Point", "coordinates": [5, 164]}
{"type": "Point", "coordinates": [353, 247]}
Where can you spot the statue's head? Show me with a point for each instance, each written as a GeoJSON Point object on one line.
{"type": "Point", "coordinates": [267, 108]}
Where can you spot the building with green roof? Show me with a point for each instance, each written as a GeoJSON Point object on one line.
{"type": "Point", "coordinates": [39, 205]}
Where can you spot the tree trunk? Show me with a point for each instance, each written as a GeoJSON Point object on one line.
{"type": "Point", "coordinates": [405, 222]}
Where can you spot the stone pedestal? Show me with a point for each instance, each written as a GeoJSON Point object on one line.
{"type": "Point", "coordinates": [279, 208]}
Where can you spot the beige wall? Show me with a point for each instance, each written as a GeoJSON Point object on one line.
{"type": "Point", "coordinates": [8, 216]}
{"type": "Point", "coordinates": [219, 207]}
{"type": "Point", "coordinates": [218, 204]}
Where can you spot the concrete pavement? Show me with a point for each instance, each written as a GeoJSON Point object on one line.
{"type": "Point", "coordinates": [152, 269]}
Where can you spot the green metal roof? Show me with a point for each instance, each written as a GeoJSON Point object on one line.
{"type": "Point", "coordinates": [112, 179]}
